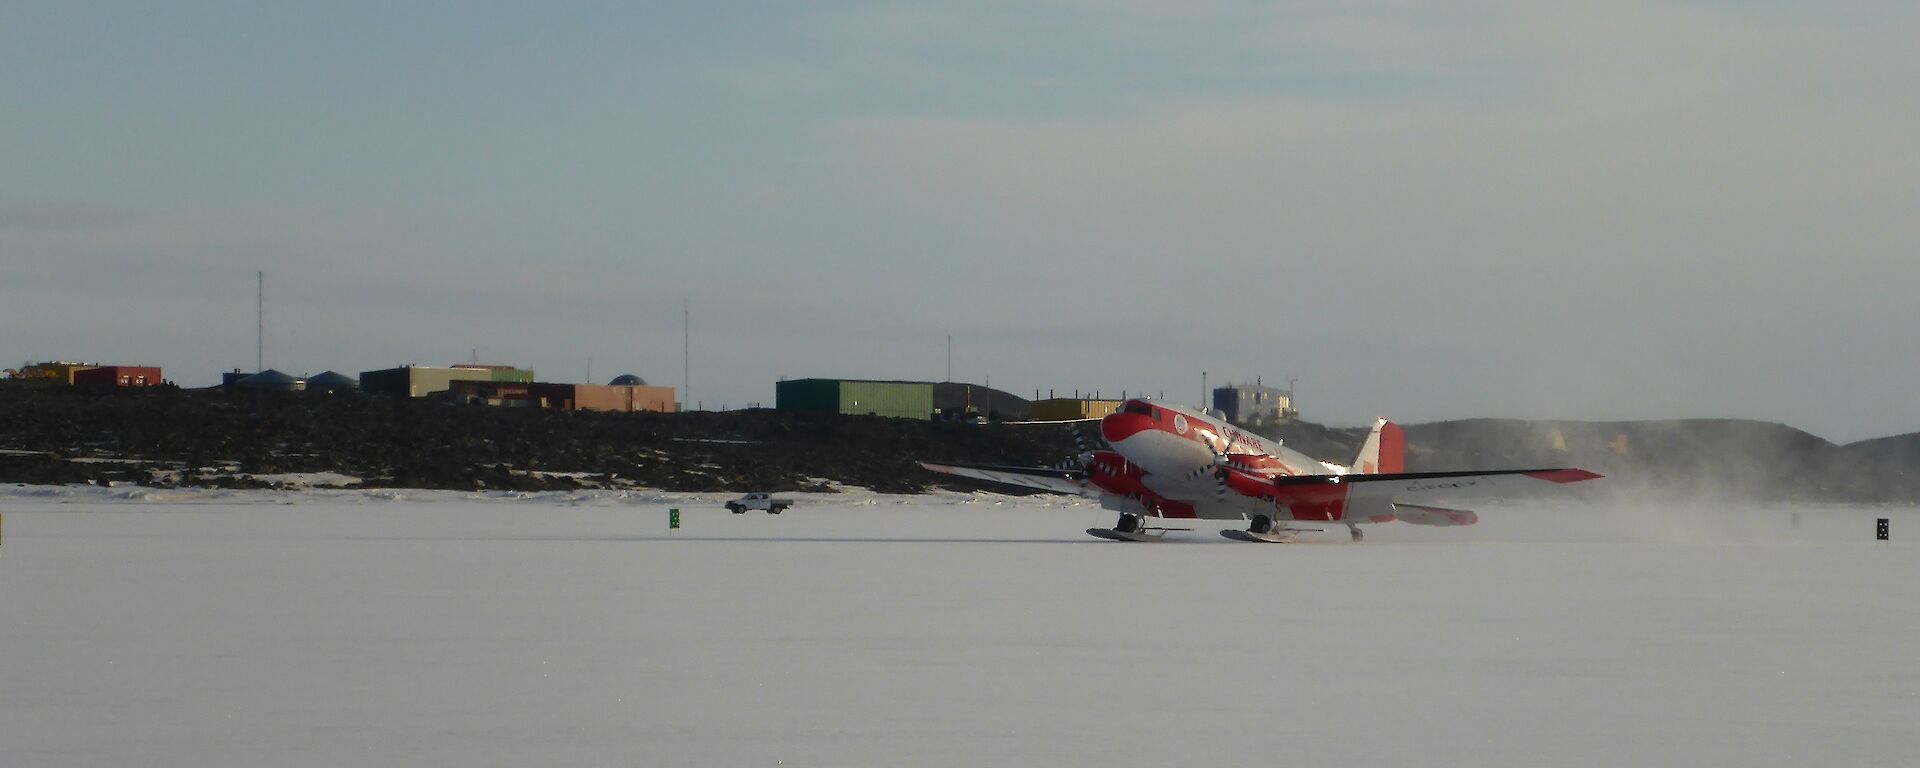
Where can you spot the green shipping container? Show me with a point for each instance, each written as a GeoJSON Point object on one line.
{"type": "Point", "coordinates": [807, 395]}
{"type": "Point", "coordinates": [422, 380]}
{"type": "Point", "coordinates": [896, 399]}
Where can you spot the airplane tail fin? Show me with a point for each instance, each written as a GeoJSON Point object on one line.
{"type": "Point", "coordinates": [1384, 452]}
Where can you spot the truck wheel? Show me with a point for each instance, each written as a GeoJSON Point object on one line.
{"type": "Point", "coordinates": [736, 510]}
{"type": "Point", "coordinates": [775, 510]}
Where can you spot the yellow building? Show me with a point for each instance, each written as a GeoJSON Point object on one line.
{"type": "Point", "coordinates": [59, 371]}
{"type": "Point", "coordinates": [1071, 408]}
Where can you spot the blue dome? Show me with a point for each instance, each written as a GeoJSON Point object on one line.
{"type": "Point", "coordinates": [269, 379]}
{"type": "Point", "coordinates": [332, 380]}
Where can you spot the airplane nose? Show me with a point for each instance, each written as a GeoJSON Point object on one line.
{"type": "Point", "coordinates": [1120, 426]}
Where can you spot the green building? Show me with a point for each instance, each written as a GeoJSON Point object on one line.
{"type": "Point", "coordinates": [423, 380]}
{"type": "Point", "coordinates": [897, 399]}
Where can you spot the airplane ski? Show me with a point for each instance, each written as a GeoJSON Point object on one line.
{"type": "Point", "coordinates": [1142, 535]}
{"type": "Point", "coordinates": [1278, 536]}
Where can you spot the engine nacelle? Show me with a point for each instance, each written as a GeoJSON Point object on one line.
{"type": "Point", "coordinates": [1111, 472]}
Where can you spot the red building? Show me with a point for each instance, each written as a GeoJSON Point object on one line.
{"type": "Point", "coordinates": [118, 376]}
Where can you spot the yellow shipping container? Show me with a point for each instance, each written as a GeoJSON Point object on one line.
{"type": "Point", "coordinates": [1070, 408]}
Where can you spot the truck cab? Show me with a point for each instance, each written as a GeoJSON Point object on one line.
{"type": "Point", "coordinates": [760, 501]}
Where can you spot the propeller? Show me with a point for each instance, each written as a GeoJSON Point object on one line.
{"type": "Point", "coordinates": [1221, 464]}
{"type": "Point", "coordinates": [1084, 446]}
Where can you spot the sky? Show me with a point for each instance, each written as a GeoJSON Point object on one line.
{"type": "Point", "coordinates": [1622, 210]}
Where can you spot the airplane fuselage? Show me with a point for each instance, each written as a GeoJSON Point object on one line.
{"type": "Point", "coordinates": [1170, 459]}
{"type": "Point", "coordinates": [1171, 462]}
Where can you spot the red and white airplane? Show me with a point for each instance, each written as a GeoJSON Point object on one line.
{"type": "Point", "coordinates": [1177, 464]}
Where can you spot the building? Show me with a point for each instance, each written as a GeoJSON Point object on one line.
{"type": "Point", "coordinates": [56, 372]}
{"type": "Point", "coordinates": [268, 380]}
{"type": "Point", "coordinates": [107, 376]}
{"type": "Point", "coordinates": [1072, 408]}
{"type": "Point", "coordinates": [1253, 403]}
{"type": "Point", "coordinates": [423, 380]}
{"type": "Point", "coordinates": [331, 381]}
{"type": "Point", "coordinates": [954, 400]}
{"type": "Point", "coordinates": [624, 398]}
{"type": "Point", "coordinates": [564, 397]}
{"type": "Point", "coordinates": [897, 399]}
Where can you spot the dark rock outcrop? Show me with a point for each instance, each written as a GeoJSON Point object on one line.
{"type": "Point", "coordinates": [185, 435]}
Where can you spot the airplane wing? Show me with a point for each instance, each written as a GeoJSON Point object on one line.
{"type": "Point", "coordinates": [1424, 515]}
{"type": "Point", "coordinates": [1065, 481]}
{"type": "Point", "coordinates": [1403, 495]}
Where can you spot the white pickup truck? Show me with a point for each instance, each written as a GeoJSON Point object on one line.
{"type": "Point", "coordinates": [772, 505]}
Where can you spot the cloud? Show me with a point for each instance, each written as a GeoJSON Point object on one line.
{"type": "Point", "coordinates": [1486, 208]}
{"type": "Point", "coordinates": [1647, 210]}
{"type": "Point", "coordinates": [60, 216]}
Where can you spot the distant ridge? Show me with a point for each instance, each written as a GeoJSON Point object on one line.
{"type": "Point", "coordinates": [1731, 458]}
{"type": "Point", "coordinates": [1692, 457]}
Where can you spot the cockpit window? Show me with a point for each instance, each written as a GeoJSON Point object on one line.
{"type": "Point", "coordinates": [1140, 408]}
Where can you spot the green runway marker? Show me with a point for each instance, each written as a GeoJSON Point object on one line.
{"type": "Point", "coordinates": [673, 518]}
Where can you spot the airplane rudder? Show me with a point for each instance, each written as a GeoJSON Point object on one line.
{"type": "Point", "coordinates": [1393, 448]}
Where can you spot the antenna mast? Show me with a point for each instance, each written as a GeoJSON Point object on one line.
{"type": "Point", "coordinates": [260, 326]}
{"type": "Point", "coordinates": [686, 352]}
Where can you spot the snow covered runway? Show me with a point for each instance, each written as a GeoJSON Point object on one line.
{"type": "Point", "coordinates": [337, 628]}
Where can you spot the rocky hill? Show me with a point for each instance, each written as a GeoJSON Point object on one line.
{"type": "Point", "coordinates": [218, 438]}
{"type": "Point", "coordinates": [1689, 457]}
{"type": "Point", "coordinates": [1730, 458]}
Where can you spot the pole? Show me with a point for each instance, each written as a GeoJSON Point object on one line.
{"type": "Point", "coordinates": [260, 326]}
{"type": "Point", "coordinates": [1203, 390]}
{"type": "Point", "coordinates": [949, 357]}
{"type": "Point", "coordinates": [686, 351]}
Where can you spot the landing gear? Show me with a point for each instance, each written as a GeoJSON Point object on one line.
{"type": "Point", "coordinates": [1132, 526]}
{"type": "Point", "coordinates": [1261, 530]}
{"type": "Point", "coordinates": [1355, 530]}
